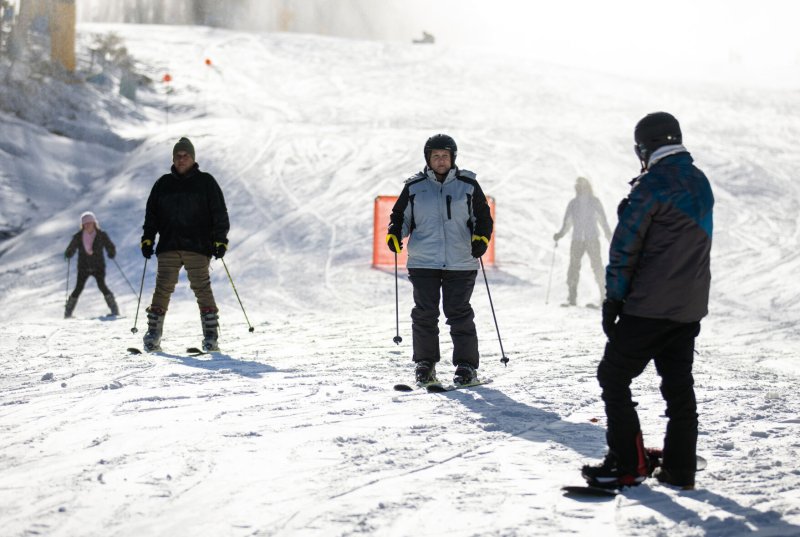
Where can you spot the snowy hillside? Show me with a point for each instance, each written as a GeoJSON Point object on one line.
{"type": "Point", "coordinates": [295, 430]}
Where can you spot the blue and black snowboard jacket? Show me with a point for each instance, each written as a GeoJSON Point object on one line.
{"type": "Point", "coordinates": [659, 259]}
{"type": "Point", "coordinates": [440, 219]}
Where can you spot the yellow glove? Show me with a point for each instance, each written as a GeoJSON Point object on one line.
{"type": "Point", "coordinates": [479, 245]}
{"type": "Point", "coordinates": [147, 248]}
{"type": "Point", "coordinates": [394, 245]}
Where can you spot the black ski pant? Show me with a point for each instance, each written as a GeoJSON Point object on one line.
{"type": "Point", "coordinates": [670, 344]}
{"type": "Point", "coordinates": [100, 276]}
{"type": "Point", "coordinates": [454, 287]}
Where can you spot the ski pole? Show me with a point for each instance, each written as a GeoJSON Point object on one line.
{"type": "Point", "coordinates": [66, 287]}
{"type": "Point", "coordinates": [139, 301]}
{"type": "Point", "coordinates": [125, 277]}
{"type": "Point", "coordinates": [550, 277]}
{"type": "Point", "coordinates": [504, 360]}
{"type": "Point", "coordinates": [251, 329]}
{"type": "Point", "coordinates": [397, 339]}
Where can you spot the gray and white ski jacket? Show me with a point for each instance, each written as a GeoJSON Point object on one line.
{"type": "Point", "coordinates": [440, 219]}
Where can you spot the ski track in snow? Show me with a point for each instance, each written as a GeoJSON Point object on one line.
{"type": "Point", "coordinates": [295, 429]}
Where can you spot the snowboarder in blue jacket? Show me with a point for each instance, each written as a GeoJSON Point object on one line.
{"type": "Point", "coordinates": [657, 286]}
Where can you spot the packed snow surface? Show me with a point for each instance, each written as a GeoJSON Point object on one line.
{"type": "Point", "coordinates": [294, 429]}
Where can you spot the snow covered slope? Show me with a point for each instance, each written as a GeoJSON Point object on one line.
{"type": "Point", "coordinates": [294, 430]}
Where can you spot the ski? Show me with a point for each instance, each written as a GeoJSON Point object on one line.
{"type": "Point", "coordinates": [194, 351]}
{"type": "Point", "coordinates": [655, 456]}
{"type": "Point", "coordinates": [438, 387]}
{"type": "Point", "coordinates": [452, 387]}
{"type": "Point", "coordinates": [417, 386]}
{"type": "Point", "coordinates": [134, 350]}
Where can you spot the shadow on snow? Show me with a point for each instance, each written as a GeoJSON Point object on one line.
{"type": "Point", "coordinates": [223, 362]}
{"type": "Point", "coordinates": [501, 413]}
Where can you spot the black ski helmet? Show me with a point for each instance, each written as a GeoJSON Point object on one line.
{"type": "Point", "coordinates": [441, 141]}
{"type": "Point", "coordinates": [655, 130]}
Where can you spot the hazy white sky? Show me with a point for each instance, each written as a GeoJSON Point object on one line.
{"type": "Point", "coordinates": [733, 38]}
{"type": "Point", "coordinates": [753, 41]}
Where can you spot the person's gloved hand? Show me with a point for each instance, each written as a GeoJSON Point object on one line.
{"type": "Point", "coordinates": [479, 245]}
{"type": "Point", "coordinates": [147, 248]}
{"type": "Point", "coordinates": [394, 244]}
{"type": "Point", "coordinates": [220, 247]}
{"type": "Point", "coordinates": [112, 256]}
{"type": "Point", "coordinates": [68, 254]}
{"type": "Point", "coordinates": [557, 236]}
{"type": "Point", "coordinates": [611, 310]}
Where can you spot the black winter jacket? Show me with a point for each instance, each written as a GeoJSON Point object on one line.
{"type": "Point", "coordinates": [187, 212]}
{"type": "Point", "coordinates": [95, 263]}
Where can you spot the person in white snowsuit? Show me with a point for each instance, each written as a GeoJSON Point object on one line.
{"type": "Point", "coordinates": [583, 215]}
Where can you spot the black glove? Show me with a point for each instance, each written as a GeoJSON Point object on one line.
{"type": "Point", "coordinates": [394, 244]}
{"type": "Point", "coordinates": [112, 255]}
{"type": "Point", "coordinates": [147, 248]}
{"type": "Point", "coordinates": [220, 247]}
{"type": "Point", "coordinates": [479, 245]}
{"type": "Point", "coordinates": [68, 254]}
{"type": "Point", "coordinates": [557, 236]}
{"type": "Point", "coordinates": [611, 310]}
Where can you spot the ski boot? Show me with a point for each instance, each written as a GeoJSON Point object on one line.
{"type": "Point", "coordinates": [155, 324]}
{"type": "Point", "coordinates": [210, 322]}
{"type": "Point", "coordinates": [70, 307]}
{"type": "Point", "coordinates": [425, 372]}
{"type": "Point", "coordinates": [112, 304]}
{"type": "Point", "coordinates": [465, 374]}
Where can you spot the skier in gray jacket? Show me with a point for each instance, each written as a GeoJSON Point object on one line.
{"type": "Point", "coordinates": [444, 212]}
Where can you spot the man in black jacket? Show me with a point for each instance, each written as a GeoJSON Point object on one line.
{"type": "Point", "coordinates": [657, 285]}
{"type": "Point", "coordinates": [187, 210]}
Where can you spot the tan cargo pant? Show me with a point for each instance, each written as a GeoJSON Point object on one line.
{"type": "Point", "coordinates": [169, 265]}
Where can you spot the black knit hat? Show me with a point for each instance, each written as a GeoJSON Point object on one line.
{"type": "Point", "coordinates": [184, 145]}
